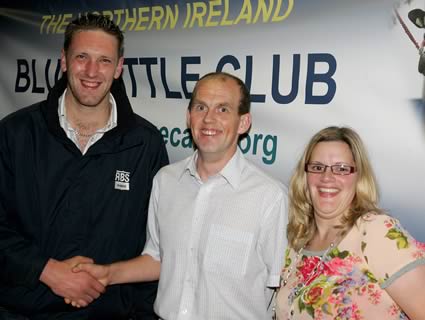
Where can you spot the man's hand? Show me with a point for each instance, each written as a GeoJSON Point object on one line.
{"type": "Point", "coordinates": [98, 271]}
{"type": "Point", "coordinates": [140, 268]}
{"type": "Point", "coordinates": [81, 287]}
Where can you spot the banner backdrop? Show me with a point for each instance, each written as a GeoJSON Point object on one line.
{"type": "Point", "coordinates": [308, 64]}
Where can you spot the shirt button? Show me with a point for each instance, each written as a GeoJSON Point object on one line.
{"type": "Point", "coordinates": [184, 311]}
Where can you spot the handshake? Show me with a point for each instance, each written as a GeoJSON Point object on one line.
{"type": "Point", "coordinates": [80, 281]}
{"type": "Point", "coordinates": [98, 272]}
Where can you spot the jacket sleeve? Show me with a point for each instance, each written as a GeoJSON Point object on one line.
{"type": "Point", "coordinates": [160, 158]}
{"type": "Point", "coordinates": [20, 259]}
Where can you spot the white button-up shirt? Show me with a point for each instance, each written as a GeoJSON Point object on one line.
{"type": "Point", "coordinates": [221, 242]}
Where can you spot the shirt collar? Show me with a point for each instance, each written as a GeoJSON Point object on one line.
{"type": "Point", "coordinates": [63, 120]}
{"type": "Point", "coordinates": [231, 172]}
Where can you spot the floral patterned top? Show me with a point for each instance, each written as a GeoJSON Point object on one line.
{"type": "Point", "coordinates": [351, 282]}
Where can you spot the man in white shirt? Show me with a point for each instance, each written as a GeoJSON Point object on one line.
{"type": "Point", "coordinates": [216, 225]}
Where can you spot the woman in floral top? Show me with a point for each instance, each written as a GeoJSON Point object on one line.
{"type": "Point", "coordinates": [346, 258]}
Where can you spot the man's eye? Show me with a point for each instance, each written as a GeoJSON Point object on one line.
{"type": "Point", "coordinates": [223, 109]}
{"type": "Point", "coordinates": [199, 107]}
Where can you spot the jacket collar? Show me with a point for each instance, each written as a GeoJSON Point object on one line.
{"type": "Point", "coordinates": [126, 117]}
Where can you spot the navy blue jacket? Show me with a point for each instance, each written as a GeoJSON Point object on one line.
{"type": "Point", "coordinates": [57, 203]}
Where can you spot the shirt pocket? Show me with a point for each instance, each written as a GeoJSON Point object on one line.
{"type": "Point", "coordinates": [227, 251]}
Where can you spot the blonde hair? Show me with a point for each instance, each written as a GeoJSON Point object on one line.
{"type": "Point", "coordinates": [302, 226]}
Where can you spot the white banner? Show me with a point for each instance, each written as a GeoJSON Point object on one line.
{"type": "Point", "coordinates": [308, 64]}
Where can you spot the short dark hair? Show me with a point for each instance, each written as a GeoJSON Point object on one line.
{"type": "Point", "coordinates": [93, 21]}
{"type": "Point", "coordinates": [244, 103]}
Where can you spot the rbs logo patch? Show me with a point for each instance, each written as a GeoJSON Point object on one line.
{"type": "Point", "coordinates": [122, 180]}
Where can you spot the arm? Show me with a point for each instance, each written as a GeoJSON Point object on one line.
{"type": "Point", "coordinates": [396, 260]}
{"type": "Point", "coordinates": [145, 267]}
{"type": "Point", "coordinates": [272, 241]}
{"type": "Point", "coordinates": [22, 261]}
{"type": "Point", "coordinates": [139, 269]}
{"type": "Point", "coordinates": [23, 265]}
{"type": "Point", "coordinates": [407, 291]}
{"type": "Point", "coordinates": [58, 276]}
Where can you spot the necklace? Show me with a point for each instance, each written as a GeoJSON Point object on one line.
{"type": "Point", "coordinates": [84, 135]}
{"type": "Point", "coordinates": [297, 290]}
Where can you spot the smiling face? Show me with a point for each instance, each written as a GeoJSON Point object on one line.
{"type": "Point", "coordinates": [331, 194]}
{"type": "Point", "coordinates": [91, 63]}
{"type": "Point", "coordinates": [214, 118]}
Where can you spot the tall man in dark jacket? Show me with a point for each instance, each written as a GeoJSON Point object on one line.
{"type": "Point", "coordinates": [75, 178]}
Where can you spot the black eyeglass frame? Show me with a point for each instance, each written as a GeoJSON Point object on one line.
{"type": "Point", "coordinates": [334, 168]}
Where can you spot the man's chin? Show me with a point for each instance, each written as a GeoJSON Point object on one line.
{"type": "Point", "coordinates": [90, 102]}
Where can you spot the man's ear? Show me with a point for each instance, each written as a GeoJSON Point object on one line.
{"type": "Point", "coordinates": [244, 123]}
{"type": "Point", "coordinates": [188, 118]}
{"type": "Point", "coordinates": [63, 60]}
{"type": "Point", "coordinates": [118, 71]}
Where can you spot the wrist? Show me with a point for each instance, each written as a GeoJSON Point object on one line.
{"type": "Point", "coordinates": [110, 278]}
{"type": "Point", "coordinates": [46, 275]}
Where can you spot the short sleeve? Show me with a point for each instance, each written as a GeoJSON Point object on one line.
{"type": "Point", "coordinates": [273, 238]}
{"type": "Point", "coordinates": [152, 230]}
{"type": "Point", "coordinates": [389, 249]}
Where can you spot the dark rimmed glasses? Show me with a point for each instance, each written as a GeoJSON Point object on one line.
{"type": "Point", "coordinates": [339, 169]}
